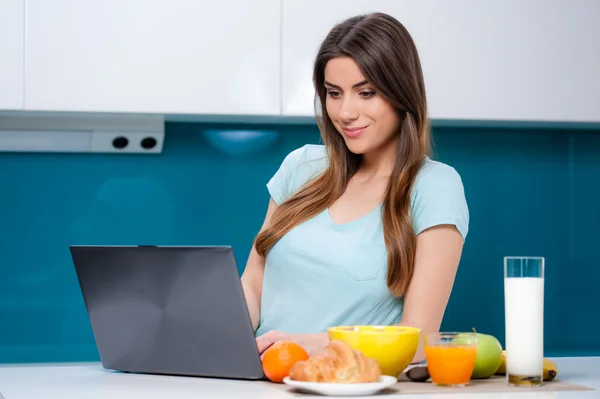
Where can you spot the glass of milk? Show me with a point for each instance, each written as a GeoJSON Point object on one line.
{"type": "Point", "coordinates": [524, 318]}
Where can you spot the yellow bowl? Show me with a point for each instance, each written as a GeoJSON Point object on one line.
{"type": "Point", "coordinates": [394, 347]}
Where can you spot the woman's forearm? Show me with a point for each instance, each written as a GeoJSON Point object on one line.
{"type": "Point", "coordinates": [420, 354]}
{"type": "Point", "coordinates": [253, 303]}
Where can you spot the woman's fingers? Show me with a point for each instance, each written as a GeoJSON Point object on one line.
{"type": "Point", "coordinates": [266, 340]}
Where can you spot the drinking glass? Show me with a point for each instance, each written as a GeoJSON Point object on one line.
{"type": "Point", "coordinates": [450, 357]}
{"type": "Point", "coordinates": [524, 319]}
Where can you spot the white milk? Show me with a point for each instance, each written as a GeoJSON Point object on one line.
{"type": "Point", "coordinates": [524, 317]}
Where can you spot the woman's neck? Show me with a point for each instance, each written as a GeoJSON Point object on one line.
{"type": "Point", "coordinates": [380, 162]}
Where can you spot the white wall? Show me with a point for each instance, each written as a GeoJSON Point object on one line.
{"type": "Point", "coordinates": [176, 56]}
{"type": "Point", "coordinates": [508, 60]}
{"type": "Point", "coordinates": [500, 60]}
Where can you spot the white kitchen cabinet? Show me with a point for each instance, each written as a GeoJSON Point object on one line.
{"type": "Point", "coordinates": [11, 54]}
{"type": "Point", "coordinates": [171, 57]}
{"type": "Point", "coordinates": [483, 60]}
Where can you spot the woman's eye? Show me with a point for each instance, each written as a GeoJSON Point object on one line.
{"type": "Point", "coordinates": [367, 94]}
{"type": "Point", "coordinates": [333, 94]}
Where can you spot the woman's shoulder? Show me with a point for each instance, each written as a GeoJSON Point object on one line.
{"type": "Point", "coordinates": [308, 153]}
{"type": "Point", "coordinates": [307, 161]}
{"type": "Point", "coordinates": [298, 167]}
{"type": "Point", "coordinates": [433, 173]}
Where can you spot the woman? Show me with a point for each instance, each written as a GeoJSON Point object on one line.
{"type": "Point", "coordinates": [366, 229]}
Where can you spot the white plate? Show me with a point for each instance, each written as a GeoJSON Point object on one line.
{"type": "Point", "coordinates": [335, 389]}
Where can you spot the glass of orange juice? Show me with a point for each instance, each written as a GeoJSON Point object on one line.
{"type": "Point", "coordinates": [450, 357]}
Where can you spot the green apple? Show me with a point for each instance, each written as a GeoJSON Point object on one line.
{"type": "Point", "coordinates": [489, 355]}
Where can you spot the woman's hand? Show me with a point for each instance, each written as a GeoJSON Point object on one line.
{"type": "Point", "coordinates": [312, 343]}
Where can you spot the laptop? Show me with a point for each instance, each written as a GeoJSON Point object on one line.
{"type": "Point", "coordinates": [168, 310]}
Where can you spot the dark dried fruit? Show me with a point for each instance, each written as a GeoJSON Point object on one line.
{"type": "Point", "coordinates": [418, 374]}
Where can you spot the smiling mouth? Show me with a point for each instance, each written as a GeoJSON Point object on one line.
{"type": "Point", "coordinates": [354, 131]}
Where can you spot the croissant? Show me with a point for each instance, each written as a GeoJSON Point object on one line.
{"type": "Point", "coordinates": [337, 363]}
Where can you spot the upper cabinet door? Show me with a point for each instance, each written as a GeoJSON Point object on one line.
{"type": "Point", "coordinates": [483, 60]}
{"type": "Point", "coordinates": [11, 54]}
{"type": "Point", "coordinates": [174, 57]}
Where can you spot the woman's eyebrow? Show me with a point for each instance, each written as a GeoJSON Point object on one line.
{"type": "Point", "coordinates": [364, 82]}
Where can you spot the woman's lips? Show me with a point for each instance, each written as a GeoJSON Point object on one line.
{"type": "Point", "coordinates": [354, 131]}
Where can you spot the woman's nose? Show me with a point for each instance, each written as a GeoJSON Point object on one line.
{"type": "Point", "coordinates": [349, 111]}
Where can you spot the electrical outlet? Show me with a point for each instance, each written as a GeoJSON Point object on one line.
{"type": "Point", "coordinates": [127, 142]}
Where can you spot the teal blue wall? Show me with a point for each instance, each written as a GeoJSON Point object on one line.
{"type": "Point", "coordinates": [530, 192]}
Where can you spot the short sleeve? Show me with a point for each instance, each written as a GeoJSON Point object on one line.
{"type": "Point", "coordinates": [279, 185]}
{"type": "Point", "coordinates": [439, 198]}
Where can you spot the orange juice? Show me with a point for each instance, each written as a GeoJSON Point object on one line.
{"type": "Point", "coordinates": [450, 364]}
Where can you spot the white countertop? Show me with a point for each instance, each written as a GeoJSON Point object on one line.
{"type": "Point", "coordinates": [90, 380]}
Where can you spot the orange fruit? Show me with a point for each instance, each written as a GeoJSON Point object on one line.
{"type": "Point", "coordinates": [279, 359]}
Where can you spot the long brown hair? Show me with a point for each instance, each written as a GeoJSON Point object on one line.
{"type": "Point", "coordinates": [387, 56]}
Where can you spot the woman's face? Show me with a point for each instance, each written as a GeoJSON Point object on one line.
{"type": "Point", "coordinates": [366, 120]}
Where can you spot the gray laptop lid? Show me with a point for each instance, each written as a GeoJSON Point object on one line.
{"type": "Point", "coordinates": [168, 310]}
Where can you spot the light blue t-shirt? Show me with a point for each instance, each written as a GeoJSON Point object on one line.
{"type": "Point", "coordinates": [323, 274]}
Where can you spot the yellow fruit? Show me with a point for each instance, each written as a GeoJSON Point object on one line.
{"type": "Point", "coordinates": [502, 368]}
{"type": "Point", "coordinates": [550, 369]}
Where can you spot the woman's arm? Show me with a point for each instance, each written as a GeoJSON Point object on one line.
{"type": "Point", "coordinates": [437, 256]}
{"type": "Point", "coordinates": [252, 278]}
